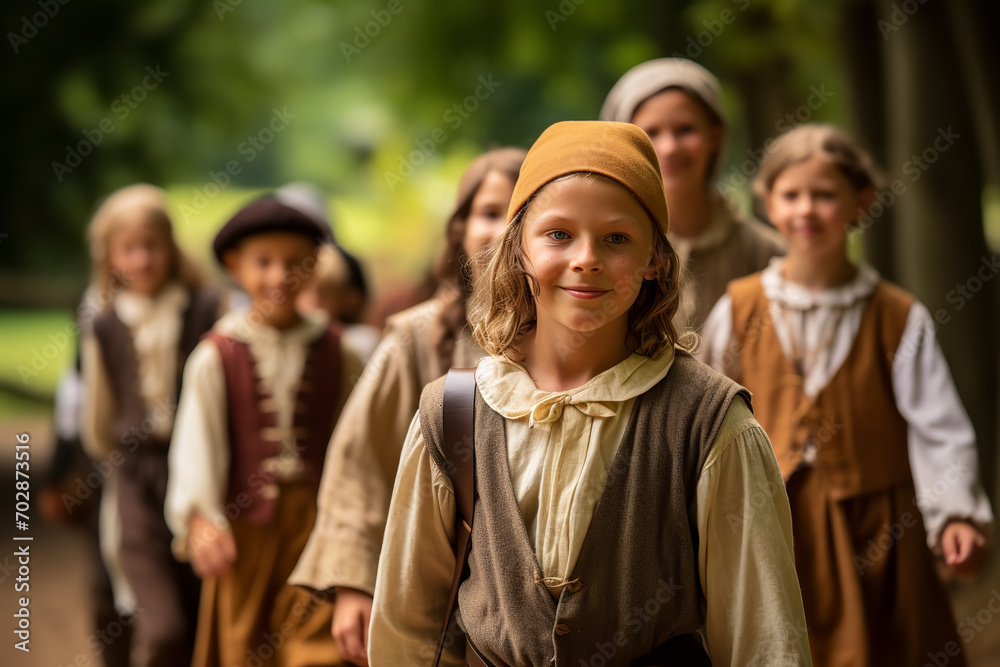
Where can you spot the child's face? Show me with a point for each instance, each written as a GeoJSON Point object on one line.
{"type": "Point", "coordinates": [488, 213]}
{"type": "Point", "coordinates": [683, 136]}
{"type": "Point", "coordinates": [813, 205]}
{"type": "Point", "coordinates": [588, 244]}
{"type": "Point", "coordinates": [273, 268]}
{"type": "Point", "coordinates": [142, 254]}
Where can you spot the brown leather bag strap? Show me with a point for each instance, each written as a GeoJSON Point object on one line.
{"type": "Point", "coordinates": [459, 450]}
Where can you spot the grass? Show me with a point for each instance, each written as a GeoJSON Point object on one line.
{"type": "Point", "coordinates": [36, 346]}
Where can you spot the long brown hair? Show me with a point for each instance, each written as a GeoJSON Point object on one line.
{"type": "Point", "coordinates": [134, 204]}
{"type": "Point", "coordinates": [452, 268]}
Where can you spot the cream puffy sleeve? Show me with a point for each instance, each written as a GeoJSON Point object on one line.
{"type": "Point", "coordinates": [415, 572]}
{"type": "Point", "coordinates": [941, 439]}
{"type": "Point", "coordinates": [198, 460]}
{"type": "Point", "coordinates": [98, 401]}
{"type": "Point", "coordinates": [754, 613]}
{"type": "Point", "coordinates": [343, 549]}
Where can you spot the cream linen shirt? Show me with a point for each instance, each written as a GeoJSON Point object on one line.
{"type": "Point", "coordinates": [200, 450]}
{"type": "Point", "coordinates": [818, 328]}
{"type": "Point", "coordinates": [155, 324]}
{"type": "Point", "coordinates": [560, 446]}
{"type": "Point", "coordinates": [361, 461]}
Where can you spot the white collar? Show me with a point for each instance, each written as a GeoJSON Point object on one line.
{"type": "Point", "coordinates": [779, 289]}
{"type": "Point", "coordinates": [507, 388]}
{"type": "Point", "coordinates": [245, 327]}
{"type": "Point", "coordinates": [137, 309]}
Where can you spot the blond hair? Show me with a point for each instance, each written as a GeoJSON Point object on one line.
{"type": "Point", "coordinates": [134, 204]}
{"type": "Point", "coordinates": [331, 269]}
{"type": "Point", "coordinates": [814, 140]}
{"type": "Point", "coordinates": [502, 308]}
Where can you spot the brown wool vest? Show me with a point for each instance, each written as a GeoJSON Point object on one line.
{"type": "Point", "coordinates": [851, 430]}
{"type": "Point", "coordinates": [115, 340]}
{"type": "Point", "coordinates": [252, 422]}
{"type": "Point", "coordinates": [637, 572]}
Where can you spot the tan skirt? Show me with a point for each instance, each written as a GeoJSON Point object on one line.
{"type": "Point", "coordinates": [870, 590]}
{"type": "Point", "coordinates": [253, 618]}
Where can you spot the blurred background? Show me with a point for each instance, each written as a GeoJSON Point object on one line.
{"type": "Point", "coordinates": [382, 103]}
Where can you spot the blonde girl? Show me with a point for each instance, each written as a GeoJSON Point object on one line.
{"type": "Point", "coordinates": [151, 309]}
{"type": "Point", "coordinates": [678, 103]}
{"type": "Point", "coordinates": [607, 460]}
{"type": "Point", "coordinates": [420, 345]}
{"type": "Point", "coordinates": [849, 382]}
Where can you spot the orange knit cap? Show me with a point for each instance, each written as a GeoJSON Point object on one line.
{"type": "Point", "coordinates": [619, 151]}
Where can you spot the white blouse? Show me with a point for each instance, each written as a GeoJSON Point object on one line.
{"type": "Point", "coordinates": [817, 329]}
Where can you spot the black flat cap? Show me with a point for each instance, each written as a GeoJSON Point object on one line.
{"type": "Point", "coordinates": [268, 215]}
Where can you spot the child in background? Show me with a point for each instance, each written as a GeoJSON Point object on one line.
{"type": "Point", "coordinates": [156, 310]}
{"type": "Point", "coordinates": [419, 346]}
{"type": "Point", "coordinates": [330, 291]}
{"type": "Point", "coordinates": [261, 395]}
{"type": "Point", "coordinates": [851, 385]}
{"type": "Point", "coordinates": [607, 462]}
{"type": "Point", "coordinates": [678, 103]}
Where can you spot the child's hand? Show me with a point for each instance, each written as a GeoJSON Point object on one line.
{"type": "Point", "coordinates": [964, 547]}
{"type": "Point", "coordinates": [352, 612]}
{"type": "Point", "coordinates": [212, 550]}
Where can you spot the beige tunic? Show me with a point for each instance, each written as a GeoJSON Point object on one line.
{"type": "Point", "coordinates": [361, 462]}
{"type": "Point", "coordinates": [559, 443]}
{"type": "Point", "coordinates": [730, 248]}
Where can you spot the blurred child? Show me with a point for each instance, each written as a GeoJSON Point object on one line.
{"type": "Point", "coordinates": [330, 291]}
{"type": "Point", "coordinates": [154, 310]}
{"type": "Point", "coordinates": [606, 460]}
{"type": "Point", "coordinates": [261, 394]}
{"type": "Point", "coordinates": [852, 387]}
{"type": "Point", "coordinates": [419, 346]}
{"type": "Point", "coordinates": [678, 103]}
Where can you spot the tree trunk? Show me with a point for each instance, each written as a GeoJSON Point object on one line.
{"type": "Point", "coordinates": [940, 247]}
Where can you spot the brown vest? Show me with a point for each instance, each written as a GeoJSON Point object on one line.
{"type": "Point", "coordinates": [115, 340]}
{"type": "Point", "coordinates": [253, 434]}
{"type": "Point", "coordinates": [851, 430]}
{"type": "Point", "coordinates": [637, 572]}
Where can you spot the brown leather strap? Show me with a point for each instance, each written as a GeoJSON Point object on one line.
{"type": "Point", "coordinates": [459, 416]}
{"type": "Point", "coordinates": [472, 657]}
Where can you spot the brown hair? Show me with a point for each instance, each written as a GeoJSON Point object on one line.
{"type": "Point", "coordinates": [824, 141]}
{"type": "Point", "coordinates": [142, 204]}
{"type": "Point", "coordinates": [502, 308]}
{"type": "Point", "coordinates": [452, 268]}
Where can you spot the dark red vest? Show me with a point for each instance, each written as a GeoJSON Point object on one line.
{"type": "Point", "coordinates": [252, 420]}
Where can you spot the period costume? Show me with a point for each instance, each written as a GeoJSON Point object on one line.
{"type": "Point", "coordinates": [855, 393]}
